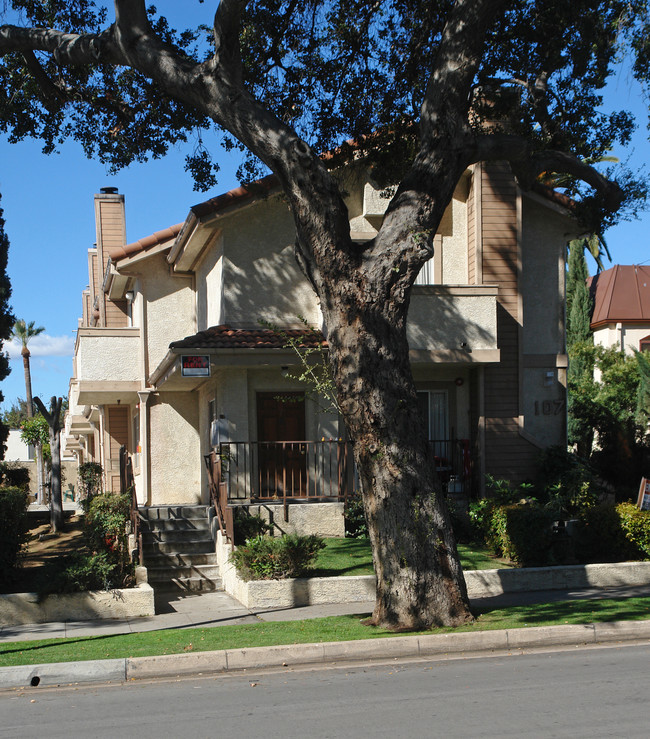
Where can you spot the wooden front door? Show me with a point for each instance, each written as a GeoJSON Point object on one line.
{"type": "Point", "coordinates": [118, 435]}
{"type": "Point", "coordinates": [282, 452]}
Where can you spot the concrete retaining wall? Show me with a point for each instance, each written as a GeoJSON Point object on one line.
{"type": "Point", "coordinates": [25, 608]}
{"type": "Point", "coordinates": [480, 583]}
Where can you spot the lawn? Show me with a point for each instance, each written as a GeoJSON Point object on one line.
{"type": "Point", "coordinates": [353, 557]}
{"type": "Point", "coordinates": [334, 628]}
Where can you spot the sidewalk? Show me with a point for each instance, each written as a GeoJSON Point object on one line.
{"type": "Point", "coordinates": [219, 609]}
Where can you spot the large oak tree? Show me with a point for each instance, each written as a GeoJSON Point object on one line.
{"type": "Point", "coordinates": [412, 83]}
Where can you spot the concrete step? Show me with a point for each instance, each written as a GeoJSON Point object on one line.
{"type": "Point", "coordinates": [165, 574]}
{"type": "Point", "coordinates": [177, 524]}
{"type": "Point", "coordinates": [178, 536]}
{"type": "Point", "coordinates": [173, 512]}
{"type": "Point", "coordinates": [181, 559]}
{"type": "Point", "coordinates": [187, 546]}
{"type": "Point", "coordinates": [188, 585]}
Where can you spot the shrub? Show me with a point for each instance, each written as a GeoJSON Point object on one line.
{"type": "Point", "coordinates": [13, 530]}
{"type": "Point", "coordinates": [105, 521]}
{"type": "Point", "coordinates": [89, 476]}
{"type": "Point", "coordinates": [268, 558]}
{"type": "Point", "coordinates": [14, 476]}
{"type": "Point", "coordinates": [248, 526]}
{"type": "Point", "coordinates": [356, 526]}
{"type": "Point", "coordinates": [521, 533]}
{"type": "Point", "coordinates": [602, 537]}
{"type": "Point", "coordinates": [636, 526]}
{"type": "Point", "coordinates": [566, 484]}
{"type": "Point", "coordinates": [83, 571]}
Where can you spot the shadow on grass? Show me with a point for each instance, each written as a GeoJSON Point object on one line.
{"type": "Point", "coordinates": [565, 612]}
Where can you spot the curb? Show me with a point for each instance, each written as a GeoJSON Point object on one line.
{"type": "Point", "coordinates": [293, 655]}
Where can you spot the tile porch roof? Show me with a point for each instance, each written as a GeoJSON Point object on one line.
{"type": "Point", "coordinates": [226, 337]}
{"type": "Point", "coordinates": [621, 294]}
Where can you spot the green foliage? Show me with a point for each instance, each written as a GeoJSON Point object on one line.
{"type": "Point", "coordinates": [609, 407]}
{"type": "Point", "coordinates": [248, 526]}
{"type": "Point", "coordinates": [643, 391]}
{"type": "Point", "coordinates": [313, 369]}
{"type": "Point", "coordinates": [6, 321]}
{"type": "Point", "coordinates": [566, 484]}
{"type": "Point", "coordinates": [89, 475]}
{"type": "Point", "coordinates": [105, 521]}
{"type": "Point", "coordinates": [13, 475]}
{"type": "Point", "coordinates": [14, 416]}
{"type": "Point", "coordinates": [521, 533]}
{"type": "Point", "coordinates": [636, 526]}
{"type": "Point", "coordinates": [13, 531]}
{"type": "Point", "coordinates": [602, 538]}
{"type": "Point", "coordinates": [81, 571]}
{"type": "Point", "coordinates": [268, 558]}
{"type": "Point", "coordinates": [356, 525]}
{"type": "Point", "coordinates": [34, 431]}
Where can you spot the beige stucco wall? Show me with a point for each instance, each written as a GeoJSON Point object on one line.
{"type": "Point", "coordinates": [439, 319]}
{"type": "Point", "coordinates": [454, 244]}
{"type": "Point", "coordinates": [626, 337]}
{"type": "Point", "coordinates": [108, 354]}
{"type": "Point", "coordinates": [209, 285]}
{"type": "Point", "coordinates": [545, 234]}
{"type": "Point", "coordinates": [170, 309]}
{"type": "Point", "coordinates": [175, 449]}
{"type": "Point", "coordinates": [260, 275]}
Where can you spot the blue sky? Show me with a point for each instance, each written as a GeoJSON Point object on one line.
{"type": "Point", "coordinates": [48, 210]}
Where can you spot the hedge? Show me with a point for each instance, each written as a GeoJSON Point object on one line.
{"type": "Point", "coordinates": [13, 530]}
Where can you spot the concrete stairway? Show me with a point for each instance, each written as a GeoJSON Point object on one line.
{"type": "Point", "coordinates": [179, 549]}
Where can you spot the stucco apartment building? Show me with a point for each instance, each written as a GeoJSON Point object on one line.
{"type": "Point", "coordinates": [171, 358]}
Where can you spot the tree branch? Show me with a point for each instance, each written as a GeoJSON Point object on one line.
{"type": "Point", "coordinates": [67, 48]}
{"type": "Point", "coordinates": [227, 52]}
{"type": "Point", "coordinates": [447, 97]}
{"type": "Point", "coordinates": [527, 164]}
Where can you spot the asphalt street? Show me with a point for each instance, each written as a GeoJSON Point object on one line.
{"type": "Point", "coordinates": [570, 692]}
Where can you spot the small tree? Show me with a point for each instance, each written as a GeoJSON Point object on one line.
{"type": "Point", "coordinates": [53, 418]}
{"type": "Point", "coordinates": [579, 338]}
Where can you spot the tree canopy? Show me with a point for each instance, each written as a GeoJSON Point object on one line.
{"type": "Point", "coordinates": [331, 71]}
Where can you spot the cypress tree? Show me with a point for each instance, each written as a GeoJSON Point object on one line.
{"type": "Point", "coordinates": [7, 320]}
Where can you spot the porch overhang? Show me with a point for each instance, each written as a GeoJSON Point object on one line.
{"type": "Point", "coordinates": [454, 356]}
{"type": "Point", "coordinates": [108, 393]}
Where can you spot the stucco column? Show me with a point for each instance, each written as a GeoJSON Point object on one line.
{"type": "Point", "coordinates": [144, 494]}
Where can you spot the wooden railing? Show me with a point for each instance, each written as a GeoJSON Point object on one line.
{"type": "Point", "coordinates": [219, 495]}
{"type": "Point", "coordinates": [127, 485]}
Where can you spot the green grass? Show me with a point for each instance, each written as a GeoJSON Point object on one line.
{"type": "Point", "coordinates": [353, 557]}
{"type": "Point", "coordinates": [337, 628]}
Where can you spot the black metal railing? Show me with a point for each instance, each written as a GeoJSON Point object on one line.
{"type": "Point", "coordinates": [312, 470]}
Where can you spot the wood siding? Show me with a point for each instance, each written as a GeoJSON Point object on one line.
{"type": "Point", "coordinates": [472, 278]}
{"type": "Point", "coordinates": [507, 454]}
{"type": "Point", "coordinates": [118, 435]}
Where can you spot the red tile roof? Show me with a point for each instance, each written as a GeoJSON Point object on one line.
{"type": "Point", "coordinates": [621, 295]}
{"type": "Point", "coordinates": [225, 337]}
{"type": "Point", "coordinates": [167, 234]}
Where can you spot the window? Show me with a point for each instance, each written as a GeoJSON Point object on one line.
{"type": "Point", "coordinates": [434, 409]}
{"type": "Point", "coordinates": [644, 344]}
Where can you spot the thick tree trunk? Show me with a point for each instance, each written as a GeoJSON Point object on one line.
{"type": "Point", "coordinates": [419, 578]}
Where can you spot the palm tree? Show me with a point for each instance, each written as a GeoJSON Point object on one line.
{"type": "Point", "coordinates": [24, 332]}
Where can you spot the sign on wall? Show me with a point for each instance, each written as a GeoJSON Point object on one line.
{"type": "Point", "coordinates": [643, 501]}
{"type": "Point", "coordinates": [195, 365]}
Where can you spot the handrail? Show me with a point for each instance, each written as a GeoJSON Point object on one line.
{"type": "Point", "coordinates": [127, 485]}
{"type": "Point", "coordinates": [219, 495]}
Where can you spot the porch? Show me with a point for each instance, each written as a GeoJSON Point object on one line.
{"type": "Point", "coordinates": [249, 473]}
